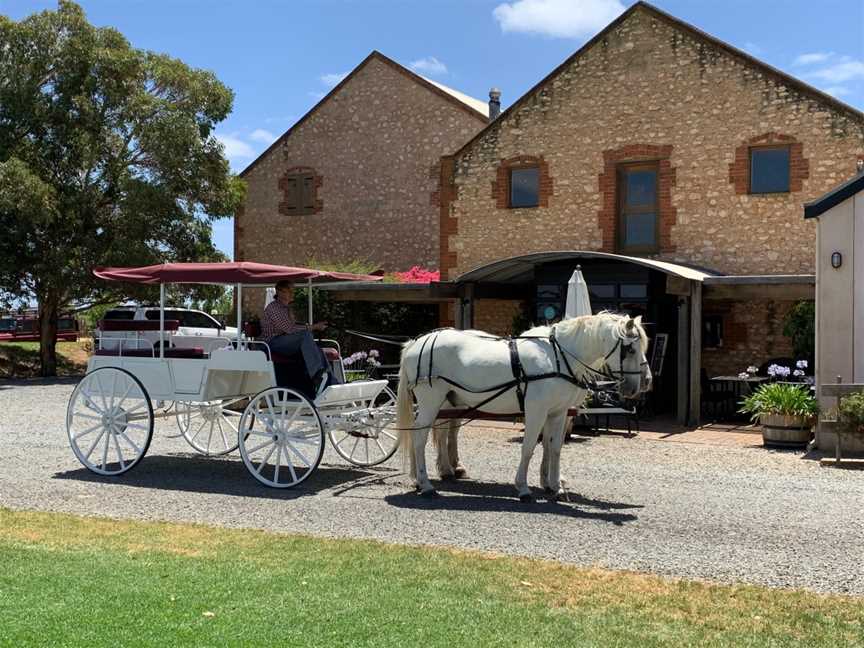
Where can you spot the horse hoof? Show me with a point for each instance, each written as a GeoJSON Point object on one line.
{"type": "Point", "coordinates": [460, 473]}
{"type": "Point", "coordinates": [548, 490]}
{"type": "Point", "coordinates": [432, 493]}
{"type": "Point", "coordinates": [526, 499]}
{"type": "Point", "coordinates": [552, 497]}
{"type": "Point", "coordinates": [447, 478]}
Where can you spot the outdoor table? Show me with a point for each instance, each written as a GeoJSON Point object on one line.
{"type": "Point", "coordinates": [739, 384]}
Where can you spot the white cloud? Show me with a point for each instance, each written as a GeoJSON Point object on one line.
{"type": "Point", "coordinates": [235, 148]}
{"type": "Point", "coordinates": [840, 70]}
{"type": "Point", "coordinates": [263, 136]}
{"type": "Point", "coordinates": [837, 91]}
{"type": "Point", "coordinates": [429, 65]}
{"type": "Point", "coordinates": [557, 18]}
{"type": "Point", "coordinates": [332, 78]}
{"type": "Point", "coordinates": [813, 57]}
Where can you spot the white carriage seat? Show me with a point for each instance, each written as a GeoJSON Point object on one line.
{"type": "Point", "coordinates": [359, 390]}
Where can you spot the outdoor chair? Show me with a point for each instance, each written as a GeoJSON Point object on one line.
{"type": "Point", "coordinates": [716, 396]}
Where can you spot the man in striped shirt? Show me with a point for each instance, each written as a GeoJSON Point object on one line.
{"type": "Point", "coordinates": [285, 336]}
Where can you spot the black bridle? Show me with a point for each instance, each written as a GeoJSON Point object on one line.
{"type": "Point", "coordinates": [624, 349]}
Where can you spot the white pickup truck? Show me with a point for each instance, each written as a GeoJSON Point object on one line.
{"type": "Point", "coordinates": [192, 328]}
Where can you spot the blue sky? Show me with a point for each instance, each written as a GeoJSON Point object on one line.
{"type": "Point", "coordinates": [281, 57]}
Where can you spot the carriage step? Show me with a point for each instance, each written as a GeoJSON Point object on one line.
{"type": "Point", "coordinates": [358, 390]}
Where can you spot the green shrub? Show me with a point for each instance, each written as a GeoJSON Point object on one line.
{"type": "Point", "coordinates": [800, 325]}
{"type": "Point", "coordinates": [777, 398]}
{"type": "Point", "coordinates": [851, 411]}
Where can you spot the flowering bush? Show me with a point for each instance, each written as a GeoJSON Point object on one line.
{"type": "Point", "coordinates": [418, 275]}
{"type": "Point", "coordinates": [777, 398]}
{"type": "Point", "coordinates": [362, 360]}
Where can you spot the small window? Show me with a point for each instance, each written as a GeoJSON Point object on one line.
{"type": "Point", "coordinates": [634, 291]}
{"type": "Point", "coordinates": [525, 187]}
{"type": "Point", "coordinates": [119, 315]}
{"type": "Point", "coordinates": [602, 291]}
{"type": "Point", "coordinates": [712, 331]}
{"type": "Point", "coordinates": [769, 169]}
{"type": "Point", "coordinates": [638, 207]}
{"type": "Point", "coordinates": [299, 194]}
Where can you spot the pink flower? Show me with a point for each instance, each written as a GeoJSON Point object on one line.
{"type": "Point", "coordinates": [418, 275]}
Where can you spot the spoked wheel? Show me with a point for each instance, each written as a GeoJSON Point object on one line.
{"type": "Point", "coordinates": [109, 421]}
{"type": "Point", "coordinates": [210, 427]}
{"type": "Point", "coordinates": [281, 437]}
{"type": "Point", "coordinates": [371, 437]}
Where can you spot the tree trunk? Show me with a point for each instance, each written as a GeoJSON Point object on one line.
{"type": "Point", "coordinates": [48, 311]}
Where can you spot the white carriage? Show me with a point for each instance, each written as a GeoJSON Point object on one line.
{"type": "Point", "coordinates": [226, 397]}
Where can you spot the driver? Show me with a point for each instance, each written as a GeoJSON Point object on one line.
{"type": "Point", "coordinates": [281, 331]}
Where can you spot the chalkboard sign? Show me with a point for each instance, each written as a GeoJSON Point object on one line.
{"type": "Point", "coordinates": [658, 353]}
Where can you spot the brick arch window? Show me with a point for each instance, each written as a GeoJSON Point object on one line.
{"type": "Point", "coordinates": [637, 214]}
{"type": "Point", "coordinates": [769, 163]}
{"type": "Point", "coordinates": [522, 181]}
{"type": "Point", "coordinates": [299, 188]}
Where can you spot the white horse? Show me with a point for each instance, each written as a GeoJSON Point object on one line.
{"type": "Point", "coordinates": [474, 370]}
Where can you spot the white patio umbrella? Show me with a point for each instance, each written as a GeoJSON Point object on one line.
{"type": "Point", "coordinates": [578, 302]}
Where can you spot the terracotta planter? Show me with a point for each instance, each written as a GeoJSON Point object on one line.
{"type": "Point", "coordinates": [781, 430]}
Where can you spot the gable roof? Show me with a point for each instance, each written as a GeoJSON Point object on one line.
{"type": "Point", "coordinates": [472, 106]}
{"type": "Point", "coordinates": [695, 32]}
{"type": "Point", "coordinates": [834, 197]}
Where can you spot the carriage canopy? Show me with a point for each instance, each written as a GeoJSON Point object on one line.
{"type": "Point", "coordinates": [237, 272]}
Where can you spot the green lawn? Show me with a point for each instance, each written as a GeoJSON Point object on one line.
{"type": "Point", "coordinates": [70, 581]}
{"type": "Point", "coordinates": [21, 359]}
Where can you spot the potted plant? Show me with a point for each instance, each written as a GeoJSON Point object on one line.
{"type": "Point", "coordinates": [786, 412]}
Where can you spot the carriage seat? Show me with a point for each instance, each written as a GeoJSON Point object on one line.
{"type": "Point", "coordinates": [192, 353]}
{"type": "Point", "coordinates": [136, 325]}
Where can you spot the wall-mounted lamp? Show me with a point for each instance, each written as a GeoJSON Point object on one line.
{"type": "Point", "coordinates": [836, 260]}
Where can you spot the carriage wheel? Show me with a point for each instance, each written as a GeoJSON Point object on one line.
{"type": "Point", "coordinates": [210, 427]}
{"type": "Point", "coordinates": [109, 421]}
{"type": "Point", "coordinates": [374, 438]}
{"type": "Point", "coordinates": [281, 437]}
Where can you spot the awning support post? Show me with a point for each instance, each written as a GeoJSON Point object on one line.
{"type": "Point", "coordinates": [161, 320]}
{"type": "Point", "coordinates": [238, 293]}
{"type": "Point", "coordinates": [309, 299]}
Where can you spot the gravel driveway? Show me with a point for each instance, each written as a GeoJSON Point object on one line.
{"type": "Point", "coordinates": [695, 511]}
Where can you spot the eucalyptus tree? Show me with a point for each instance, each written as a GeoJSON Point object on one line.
{"type": "Point", "coordinates": [107, 157]}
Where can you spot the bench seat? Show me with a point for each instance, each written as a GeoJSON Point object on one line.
{"type": "Point", "coordinates": [193, 353]}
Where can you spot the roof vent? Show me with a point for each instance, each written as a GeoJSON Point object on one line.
{"type": "Point", "coordinates": [494, 103]}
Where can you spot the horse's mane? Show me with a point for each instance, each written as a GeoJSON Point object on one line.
{"type": "Point", "coordinates": [603, 318]}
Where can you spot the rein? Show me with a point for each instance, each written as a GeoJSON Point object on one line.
{"type": "Point", "coordinates": [521, 379]}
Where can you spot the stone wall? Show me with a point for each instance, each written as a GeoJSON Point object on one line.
{"type": "Point", "coordinates": [495, 315]}
{"type": "Point", "coordinates": [650, 86]}
{"type": "Point", "coordinates": [752, 334]}
{"type": "Point", "coordinates": [373, 148]}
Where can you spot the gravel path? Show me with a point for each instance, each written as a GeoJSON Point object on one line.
{"type": "Point", "coordinates": [694, 511]}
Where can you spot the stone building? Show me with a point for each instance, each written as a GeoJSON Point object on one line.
{"type": "Point", "coordinates": [352, 178]}
{"type": "Point", "coordinates": [671, 166]}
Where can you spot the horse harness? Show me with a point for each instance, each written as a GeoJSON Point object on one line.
{"type": "Point", "coordinates": [521, 379]}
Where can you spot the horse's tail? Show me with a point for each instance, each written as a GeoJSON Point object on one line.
{"type": "Point", "coordinates": [405, 416]}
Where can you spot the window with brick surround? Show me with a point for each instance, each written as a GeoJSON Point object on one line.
{"type": "Point", "coordinates": [769, 169]}
{"type": "Point", "coordinates": [522, 182]}
{"type": "Point", "coordinates": [299, 188]}
{"type": "Point", "coordinates": [525, 187]}
{"type": "Point", "coordinates": [712, 331]}
{"type": "Point", "coordinates": [768, 164]}
{"type": "Point", "coordinates": [638, 213]}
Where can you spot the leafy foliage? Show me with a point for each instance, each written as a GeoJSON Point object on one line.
{"type": "Point", "coordinates": [851, 410]}
{"type": "Point", "coordinates": [779, 398]}
{"type": "Point", "coordinates": [107, 157]}
{"type": "Point", "coordinates": [800, 326]}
